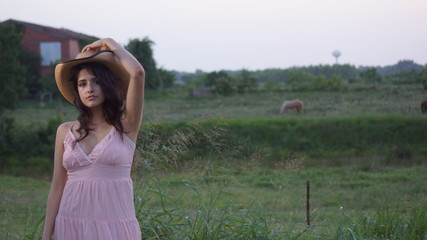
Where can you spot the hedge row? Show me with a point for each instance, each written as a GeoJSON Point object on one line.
{"type": "Point", "coordinates": [394, 139]}
{"type": "Point", "coordinates": [27, 148]}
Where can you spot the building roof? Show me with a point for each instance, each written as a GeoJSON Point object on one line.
{"type": "Point", "coordinates": [58, 32]}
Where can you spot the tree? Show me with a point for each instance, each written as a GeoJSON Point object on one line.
{"type": "Point", "coordinates": [271, 85]}
{"type": "Point", "coordinates": [167, 78]}
{"type": "Point", "coordinates": [300, 80]}
{"type": "Point", "coordinates": [246, 82]}
{"type": "Point", "coordinates": [224, 85]}
{"type": "Point", "coordinates": [370, 75]}
{"type": "Point", "coordinates": [12, 79]}
{"type": "Point", "coordinates": [400, 66]}
{"type": "Point", "coordinates": [143, 52]}
{"type": "Point", "coordinates": [12, 72]}
{"type": "Point", "coordinates": [321, 83]}
{"type": "Point", "coordinates": [31, 60]}
{"type": "Point", "coordinates": [196, 81]}
{"type": "Point", "coordinates": [336, 83]}
{"type": "Point", "coordinates": [212, 78]}
{"type": "Point", "coordinates": [48, 82]}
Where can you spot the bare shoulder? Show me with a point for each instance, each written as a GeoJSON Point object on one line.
{"type": "Point", "coordinates": [63, 129]}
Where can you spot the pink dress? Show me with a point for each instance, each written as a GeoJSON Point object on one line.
{"type": "Point", "coordinates": [97, 202]}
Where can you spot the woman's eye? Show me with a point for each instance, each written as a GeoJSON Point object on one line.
{"type": "Point", "coordinates": [82, 84]}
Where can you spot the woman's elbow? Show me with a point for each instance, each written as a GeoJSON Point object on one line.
{"type": "Point", "coordinates": [139, 73]}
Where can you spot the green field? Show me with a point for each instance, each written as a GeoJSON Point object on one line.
{"type": "Point", "coordinates": [177, 106]}
{"type": "Point", "coordinates": [277, 196]}
{"type": "Point", "coordinates": [364, 185]}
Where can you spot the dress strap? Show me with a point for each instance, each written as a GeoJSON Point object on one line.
{"type": "Point", "coordinates": [72, 125]}
{"type": "Point", "coordinates": [69, 137]}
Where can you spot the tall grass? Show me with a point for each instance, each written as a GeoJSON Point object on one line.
{"type": "Point", "coordinates": [202, 218]}
{"type": "Point", "coordinates": [200, 212]}
{"type": "Point", "coordinates": [251, 204]}
{"type": "Point", "coordinates": [385, 224]}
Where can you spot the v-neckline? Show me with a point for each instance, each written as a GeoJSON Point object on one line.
{"type": "Point", "coordinates": [88, 156]}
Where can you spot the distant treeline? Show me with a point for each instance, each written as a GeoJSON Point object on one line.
{"type": "Point", "coordinates": [320, 77]}
{"type": "Point", "coordinates": [403, 68]}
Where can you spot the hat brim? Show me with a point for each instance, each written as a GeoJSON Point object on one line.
{"type": "Point", "coordinates": [106, 57]}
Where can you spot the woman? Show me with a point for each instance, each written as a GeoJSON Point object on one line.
{"type": "Point", "coordinates": [91, 195]}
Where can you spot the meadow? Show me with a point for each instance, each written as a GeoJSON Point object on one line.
{"type": "Point", "coordinates": [238, 192]}
{"type": "Point", "coordinates": [170, 106]}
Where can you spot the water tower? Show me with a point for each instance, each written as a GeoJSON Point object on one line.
{"type": "Point", "coordinates": [336, 54]}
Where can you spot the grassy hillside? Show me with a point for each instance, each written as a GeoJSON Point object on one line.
{"type": "Point", "coordinates": [331, 141]}
{"type": "Point", "coordinates": [160, 107]}
{"type": "Point", "coordinates": [233, 168]}
{"type": "Point", "coordinates": [364, 126]}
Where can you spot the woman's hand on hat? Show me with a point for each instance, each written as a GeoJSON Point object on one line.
{"type": "Point", "coordinates": [101, 44]}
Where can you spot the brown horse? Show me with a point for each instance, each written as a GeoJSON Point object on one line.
{"type": "Point", "coordinates": [292, 104]}
{"type": "Point", "coordinates": [424, 106]}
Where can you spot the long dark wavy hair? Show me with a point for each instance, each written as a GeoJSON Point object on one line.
{"type": "Point", "coordinates": [114, 98]}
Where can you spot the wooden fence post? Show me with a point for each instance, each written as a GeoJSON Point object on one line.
{"type": "Point", "coordinates": [308, 203]}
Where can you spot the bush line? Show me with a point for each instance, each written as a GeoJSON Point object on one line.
{"type": "Point", "coordinates": [395, 139]}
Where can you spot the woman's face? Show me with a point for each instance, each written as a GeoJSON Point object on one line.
{"type": "Point", "coordinates": [89, 90]}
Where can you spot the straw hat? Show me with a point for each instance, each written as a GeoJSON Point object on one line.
{"type": "Point", "coordinates": [105, 57]}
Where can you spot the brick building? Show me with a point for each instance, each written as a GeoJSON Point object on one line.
{"type": "Point", "coordinates": [51, 44]}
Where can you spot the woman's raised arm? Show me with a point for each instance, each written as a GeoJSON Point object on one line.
{"type": "Point", "coordinates": [135, 92]}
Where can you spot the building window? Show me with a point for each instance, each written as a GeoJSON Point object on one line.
{"type": "Point", "coordinates": [50, 52]}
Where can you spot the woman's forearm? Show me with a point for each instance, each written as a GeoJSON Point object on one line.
{"type": "Point", "coordinates": [53, 202]}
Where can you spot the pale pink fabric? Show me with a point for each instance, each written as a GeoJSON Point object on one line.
{"type": "Point", "coordinates": [97, 202]}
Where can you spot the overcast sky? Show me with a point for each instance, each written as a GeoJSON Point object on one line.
{"type": "Point", "coordinates": [234, 34]}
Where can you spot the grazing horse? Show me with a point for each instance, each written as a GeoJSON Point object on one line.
{"type": "Point", "coordinates": [292, 104]}
{"type": "Point", "coordinates": [424, 106]}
